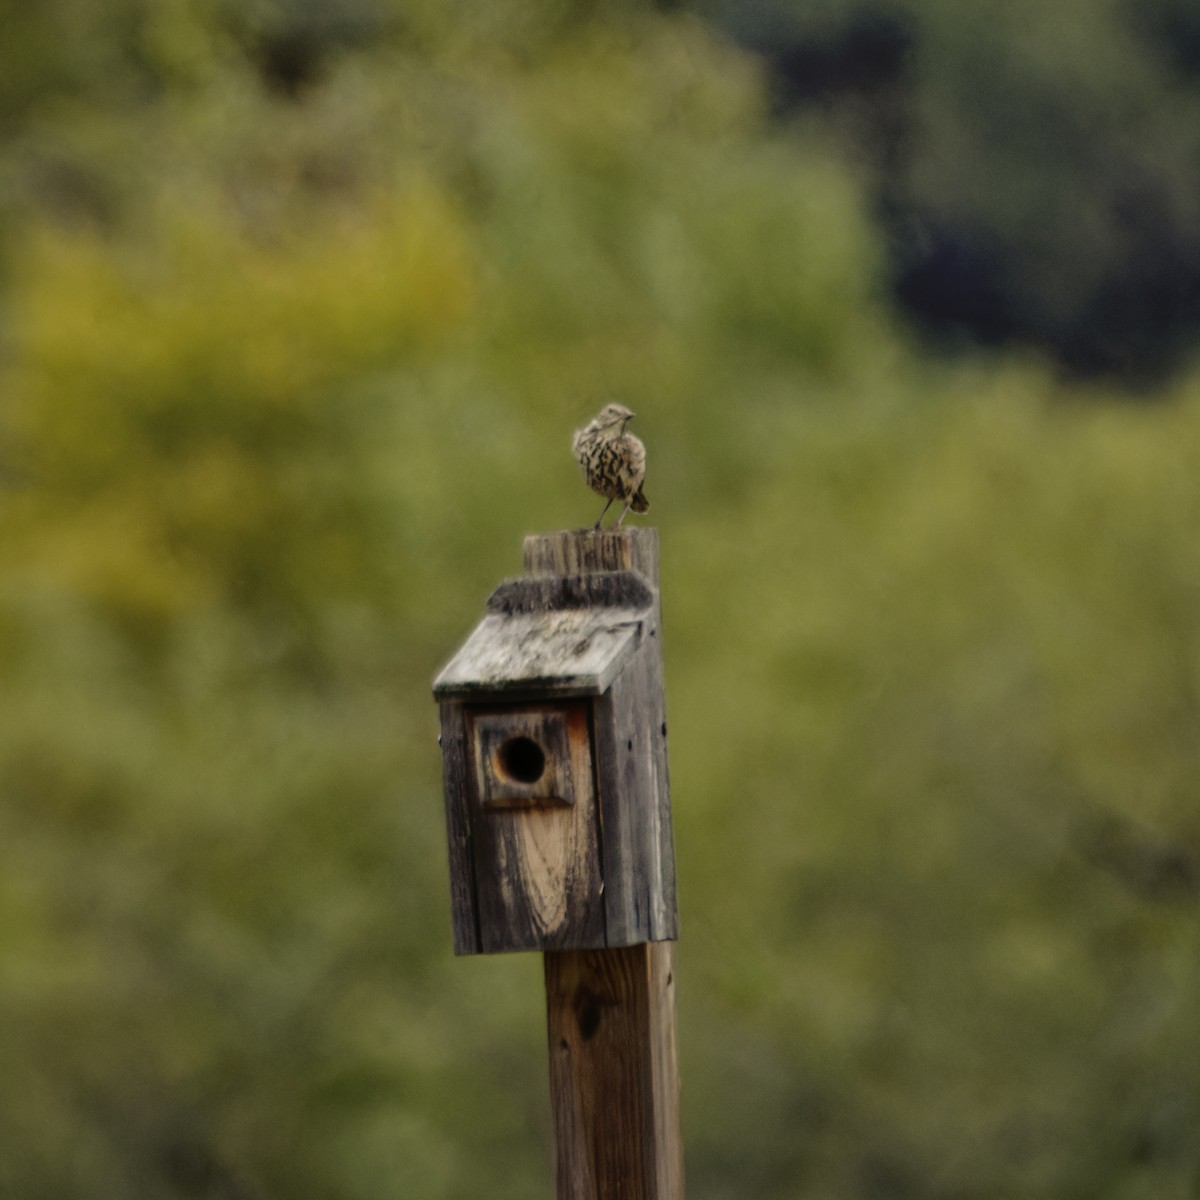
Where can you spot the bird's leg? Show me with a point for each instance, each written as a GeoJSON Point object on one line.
{"type": "Point", "coordinates": [628, 506]}
{"type": "Point", "coordinates": [601, 516]}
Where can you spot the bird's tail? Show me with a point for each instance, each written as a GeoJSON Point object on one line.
{"type": "Point", "coordinates": [639, 503]}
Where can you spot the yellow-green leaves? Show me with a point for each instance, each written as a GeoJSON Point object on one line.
{"type": "Point", "coordinates": [185, 409]}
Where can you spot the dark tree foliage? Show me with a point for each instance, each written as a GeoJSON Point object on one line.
{"type": "Point", "coordinates": [1033, 172]}
{"type": "Point", "coordinates": [1171, 29]}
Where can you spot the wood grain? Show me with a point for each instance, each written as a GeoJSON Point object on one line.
{"type": "Point", "coordinates": [575, 652]}
{"type": "Point", "coordinates": [614, 1080]}
{"type": "Point", "coordinates": [457, 788]}
{"type": "Point", "coordinates": [568, 662]}
{"type": "Point", "coordinates": [630, 725]}
{"type": "Point", "coordinates": [500, 784]}
{"type": "Point", "coordinates": [635, 807]}
{"type": "Point", "coordinates": [537, 871]}
{"type": "Point", "coordinates": [586, 551]}
{"type": "Point", "coordinates": [550, 636]}
{"type": "Point", "coordinates": [605, 589]}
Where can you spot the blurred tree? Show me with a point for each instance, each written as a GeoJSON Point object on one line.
{"type": "Point", "coordinates": [291, 352]}
{"type": "Point", "coordinates": [1035, 166]}
{"type": "Point", "coordinates": [280, 346]}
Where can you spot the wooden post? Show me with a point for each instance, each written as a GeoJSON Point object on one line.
{"type": "Point", "coordinates": [614, 1078]}
{"type": "Point", "coordinates": [558, 816]}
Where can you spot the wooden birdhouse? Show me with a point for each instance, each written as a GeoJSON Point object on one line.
{"type": "Point", "coordinates": [554, 745]}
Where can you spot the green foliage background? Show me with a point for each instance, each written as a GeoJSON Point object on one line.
{"type": "Point", "coordinates": [300, 307]}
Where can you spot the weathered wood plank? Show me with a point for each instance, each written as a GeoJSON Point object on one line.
{"type": "Point", "coordinates": [522, 756]}
{"type": "Point", "coordinates": [458, 829]}
{"type": "Point", "coordinates": [611, 1012]}
{"type": "Point", "coordinates": [568, 652]}
{"type": "Point", "coordinates": [605, 589]}
{"type": "Point", "coordinates": [633, 789]}
{"type": "Point", "coordinates": [634, 802]}
{"type": "Point", "coordinates": [537, 870]}
{"type": "Point", "coordinates": [587, 551]}
{"type": "Point", "coordinates": [664, 920]}
{"type": "Point", "coordinates": [614, 1080]}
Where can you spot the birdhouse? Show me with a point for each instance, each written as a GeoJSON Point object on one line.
{"type": "Point", "coordinates": [555, 761]}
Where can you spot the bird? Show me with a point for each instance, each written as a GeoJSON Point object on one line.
{"type": "Point", "coordinates": [613, 461]}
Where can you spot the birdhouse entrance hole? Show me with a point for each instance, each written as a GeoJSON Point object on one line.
{"type": "Point", "coordinates": [522, 753]}
{"type": "Point", "coordinates": [521, 759]}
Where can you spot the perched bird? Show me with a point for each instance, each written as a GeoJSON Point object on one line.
{"type": "Point", "coordinates": [613, 461]}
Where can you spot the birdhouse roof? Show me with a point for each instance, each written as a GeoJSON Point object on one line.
{"type": "Point", "coordinates": [552, 636]}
